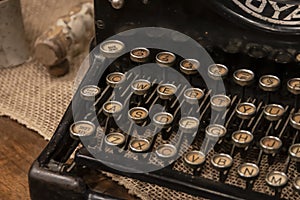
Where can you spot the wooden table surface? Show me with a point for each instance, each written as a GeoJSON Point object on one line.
{"type": "Point", "coordinates": [19, 147]}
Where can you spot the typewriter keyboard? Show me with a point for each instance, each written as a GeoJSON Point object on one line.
{"type": "Point", "coordinates": [255, 149]}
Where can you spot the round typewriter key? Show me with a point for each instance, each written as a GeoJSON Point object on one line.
{"type": "Point", "coordinates": [296, 184]}
{"type": "Point", "coordinates": [114, 79]}
{"type": "Point", "coordinates": [215, 131]}
{"type": "Point", "coordinates": [220, 102]}
{"type": "Point", "coordinates": [245, 110]}
{"type": "Point", "coordinates": [294, 152]}
{"type": "Point", "coordinates": [138, 114]}
{"type": "Point", "coordinates": [141, 86]}
{"type": "Point", "coordinates": [273, 112]}
{"type": "Point", "coordinates": [295, 120]}
{"type": "Point", "coordinates": [276, 179]}
{"type": "Point", "coordinates": [166, 151]}
{"type": "Point", "coordinates": [90, 92]}
{"type": "Point", "coordinates": [166, 91]}
{"type": "Point", "coordinates": [82, 129]}
{"type": "Point", "coordinates": [217, 71]}
{"type": "Point", "coordinates": [188, 124]}
{"type": "Point", "coordinates": [293, 86]}
{"type": "Point", "coordinates": [248, 170]}
{"type": "Point", "coordinates": [270, 144]}
{"type": "Point", "coordinates": [242, 138]}
{"type": "Point", "coordinates": [193, 95]}
{"type": "Point", "coordinates": [139, 145]}
{"type": "Point", "coordinates": [221, 161]}
{"type": "Point", "coordinates": [269, 83]}
{"type": "Point", "coordinates": [163, 119]}
{"type": "Point", "coordinates": [165, 59]}
{"type": "Point", "coordinates": [194, 159]}
{"type": "Point", "coordinates": [115, 139]}
{"type": "Point", "coordinates": [111, 108]}
{"type": "Point", "coordinates": [243, 77]}
{"type": "Point", "coordinates": [139, 55]}
{"type": "Point", "coordinates": [189, 66]}
{"type": "Point", "coordinates": [112, 48]}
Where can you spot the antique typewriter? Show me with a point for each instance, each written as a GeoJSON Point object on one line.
{"type": "Point", "coordinates": [197, 96]}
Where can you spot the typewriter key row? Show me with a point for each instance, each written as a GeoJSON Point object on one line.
{"type": "Point", "coordinates": [255, 130]}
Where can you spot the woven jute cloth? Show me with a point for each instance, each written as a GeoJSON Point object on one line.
{"type": "Point", "coordinates": [29, 95]}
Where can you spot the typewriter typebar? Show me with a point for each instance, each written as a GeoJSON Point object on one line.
{"type": "Point", "coordinates": [245, 138]}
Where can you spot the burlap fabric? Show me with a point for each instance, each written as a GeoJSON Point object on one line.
{"type": "Point", "coordinates": [29, 95]}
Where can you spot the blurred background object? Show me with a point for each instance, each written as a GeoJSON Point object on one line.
{"type": "Point", "coordinates": [66, 38]}
{"type": "Point", "coordinates": [13, 46]}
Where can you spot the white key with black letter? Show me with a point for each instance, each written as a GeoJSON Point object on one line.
{"type": "Point", "coordinates": [245, 111]}
{"type": "Point", "coordinates": [112, 48]}
{"type": "Point", "coordinates": [188, 127]}
{"type": "Point", "coordinates": [139, 55]}
{"type": "Point", "coordinates": [115, 141]}
{"type": "Point", "coordinates": [111, 109]}
{"type": "Point", "coordinates": [273, 113]}
{"type": "Point", "coordinates": [241, 139]}
{"type": "Point", "coordinates": [213, 134]}
{"type": "Point", "coordinates": [220, 102]}
{"type": "Point", "coordinates": [293, 85]}
{"type": "Point", "coordinates": [222, 162]}
{"type": "Point", "coordinates": [269, 83]}
{"type": "Point", "coordinates": [244, 78]}
{"type": "Point", "coordinates": [276, 180]}
{"type": "Point", "coordinates": [163, 121]}
{"type": "Point", "coordinates": [195, 159]}
{"type": "Point", "coordinates": [248, 172]}
{"type": "Point", "coordinates": [217, 72]}
{"type": "Point", "coordinates": [82, 129]}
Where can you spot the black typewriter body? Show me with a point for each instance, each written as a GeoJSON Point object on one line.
{"type": "Point", "coordinates": [238, 42]}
